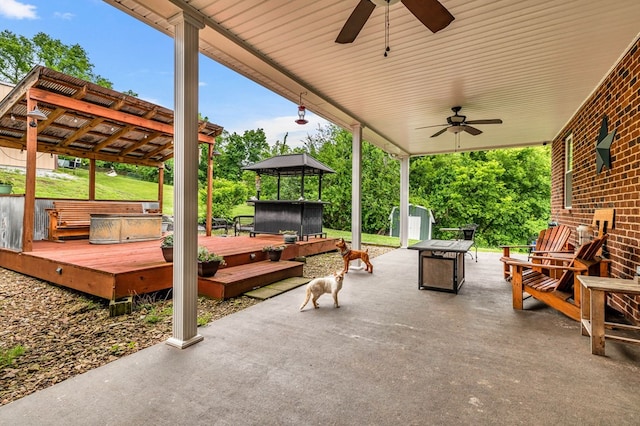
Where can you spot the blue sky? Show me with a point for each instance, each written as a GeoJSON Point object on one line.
{"type": "Point", "coordinates": [136, 57]}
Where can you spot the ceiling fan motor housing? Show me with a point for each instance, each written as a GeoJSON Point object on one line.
{"type": "Point", "coordinates": [384, 2]}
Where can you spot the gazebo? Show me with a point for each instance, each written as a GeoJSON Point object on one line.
{"type": "Point", "coordinates": [302, 215]}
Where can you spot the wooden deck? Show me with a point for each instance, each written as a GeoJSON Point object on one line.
{"type": "Point", "coordinates": [118, 270]}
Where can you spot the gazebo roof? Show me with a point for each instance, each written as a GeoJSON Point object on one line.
{"type": "Point", "coordinates": [290, 165]}
{"type": "Point", "coordinates": [89, 121]}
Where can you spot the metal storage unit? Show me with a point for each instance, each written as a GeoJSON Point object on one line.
{"type": "Point", "coordinates": [420, 223]}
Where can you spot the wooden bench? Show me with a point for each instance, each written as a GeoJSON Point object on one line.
{"type": "Point", "coordinates": [72, 218]}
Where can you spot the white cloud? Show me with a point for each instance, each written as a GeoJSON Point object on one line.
{"type": "Point", "coordinates": [67, 16]}
{"type": "Point", "coordinates": [13, 9]}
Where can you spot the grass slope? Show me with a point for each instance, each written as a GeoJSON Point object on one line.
{"type": "Point", "coordinates": [75, 184]}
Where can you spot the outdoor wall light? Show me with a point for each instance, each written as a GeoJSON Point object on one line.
{"type": "Point", "coordinates": [36, 114]}
{"type": "Point", "coordinates": [301, 111]}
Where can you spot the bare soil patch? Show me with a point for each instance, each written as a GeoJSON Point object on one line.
{"type": "Point", "coordinates": [64, 333]}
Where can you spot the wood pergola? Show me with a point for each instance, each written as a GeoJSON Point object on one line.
{"type": "Point", "coordinates": [86, 120]}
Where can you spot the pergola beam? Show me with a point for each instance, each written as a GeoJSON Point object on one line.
{"type": "Point", "coordinates": [108, 113]}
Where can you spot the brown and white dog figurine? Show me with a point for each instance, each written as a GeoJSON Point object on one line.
{"type": "Point", "coordinates": [331, 284]}
{"type": "Point", "coordinates": [348, 255]}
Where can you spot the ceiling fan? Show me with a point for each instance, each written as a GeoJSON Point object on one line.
{"type": "Point", "coordinates": [458, 123]}
{"type": "Point", "coordinates": [430, 12]}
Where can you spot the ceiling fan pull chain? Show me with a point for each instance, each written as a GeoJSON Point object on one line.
{"type": "Point", "coordinates": [386, 31]}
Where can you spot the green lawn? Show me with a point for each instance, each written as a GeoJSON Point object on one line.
{"type": "Point", "coordinates": [74, 183]}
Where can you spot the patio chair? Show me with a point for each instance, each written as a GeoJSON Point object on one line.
{"type": "Point", "coordinates": [468, 233]}
{"type": "Point", "coordinates": [221, 223]}
{"type": "Point", "coordinates": [553, 240]}
{"type": "Point", "coordinates": [539, 281]}
{"type": "Point", "coordinates": [243, 223]}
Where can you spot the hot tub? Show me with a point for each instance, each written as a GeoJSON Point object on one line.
{"type": "Point", "coordinates": [116, 228]}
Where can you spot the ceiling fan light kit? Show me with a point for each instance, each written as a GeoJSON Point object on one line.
{"type": "Point", "coordinates": [457, 123]}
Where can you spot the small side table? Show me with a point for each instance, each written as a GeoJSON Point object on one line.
{"type": "Point", "coordinates": [441, 264]}
{"type": "Point", "coordinates": [592, 307]}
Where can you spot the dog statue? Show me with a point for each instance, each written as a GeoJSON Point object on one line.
{"type": "Point", "coordinates": [348, 255]}
{"type": "Point", "coordinates": [331, 284]}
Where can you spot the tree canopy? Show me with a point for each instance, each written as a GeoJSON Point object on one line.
{"type": "Point", "coordinates": [18, 54]}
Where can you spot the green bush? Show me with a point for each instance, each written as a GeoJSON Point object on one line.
{"type": "Point", "coordinates": [225, 196]}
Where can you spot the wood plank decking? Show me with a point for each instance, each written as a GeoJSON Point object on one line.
{"type": "Point", "coordinates": [112, 271]}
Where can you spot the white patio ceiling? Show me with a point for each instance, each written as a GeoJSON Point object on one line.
{"type": "Point", "coordinates": [531, 63]}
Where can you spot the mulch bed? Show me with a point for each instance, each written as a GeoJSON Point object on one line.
{"type": "Point", "coordinates": [64, 333]}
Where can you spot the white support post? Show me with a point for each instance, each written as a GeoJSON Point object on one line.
{"type": "Point", "coordinates": [185, 279]}
{"type": "Point", "coordinates": [404, 202]}
{"type": "Point", "coordinates": [356, 196]}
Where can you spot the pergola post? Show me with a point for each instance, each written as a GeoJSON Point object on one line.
{"type": "Point", "coordinates": [209, 188]}
{"type": "Point", "coordinates": [160, 186]}
{"type": "Point", "coordinates": [30, 181]}
{"type": "Point", "coordinates": [92, 179]}
{"type": "Point", "coordinates": [186, 152]}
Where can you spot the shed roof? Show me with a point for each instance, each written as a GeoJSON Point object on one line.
{"type": "Point", "coordinates": [89, 121]}
{"type": "Point", "coordinates": [290, 165]}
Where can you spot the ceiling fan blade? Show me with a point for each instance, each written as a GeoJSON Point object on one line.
{"type": "Point", "coordinates": [489, 121]}
{"type": "Point", "coordinates": [471, 130]}
{"type": "Point", "coordinates": [427, 127]}
{"type": "Point", "coordinates": [430, 12]}
{"type": "Point", "coordinates": [355, 22]}
{"type": "Point", "coordinates": [439, 132]}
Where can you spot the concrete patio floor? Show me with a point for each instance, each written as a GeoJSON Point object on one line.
{"type": "Point", "coordinates": [391, 355]}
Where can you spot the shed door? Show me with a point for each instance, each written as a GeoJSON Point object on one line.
{"type": "Point", "coordinates": [414, 227]}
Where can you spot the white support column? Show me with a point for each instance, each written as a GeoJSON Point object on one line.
{"type": "Point", "coordinates": [185, 279]}
{"type": "Point", "coordinates": [404, 202]}
{"type": "Point", "coordinates": [356, 185]}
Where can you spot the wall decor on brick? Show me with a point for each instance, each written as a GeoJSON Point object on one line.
{"type": "Point", "coordinates": [603, 146]}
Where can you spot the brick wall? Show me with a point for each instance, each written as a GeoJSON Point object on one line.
{"type": "Point", "coordinates": [618, 98]}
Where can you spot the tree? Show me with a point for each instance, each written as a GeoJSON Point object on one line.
{"type": "Point", "coordinates": [380, 180]}
{"type": "Point", "coordinates": [505, 192]}
{"type": "Point", "coordinates": [238, 151]}
{"type": "Point", "coordinates": [18, 55]}
{"type": "Point", "coordinates": [225, 196]}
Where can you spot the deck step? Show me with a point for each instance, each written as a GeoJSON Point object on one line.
{"type": "Point", "coordinates": [236, 280]}
{"type": "Point", "coordinates": [277, 288]}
